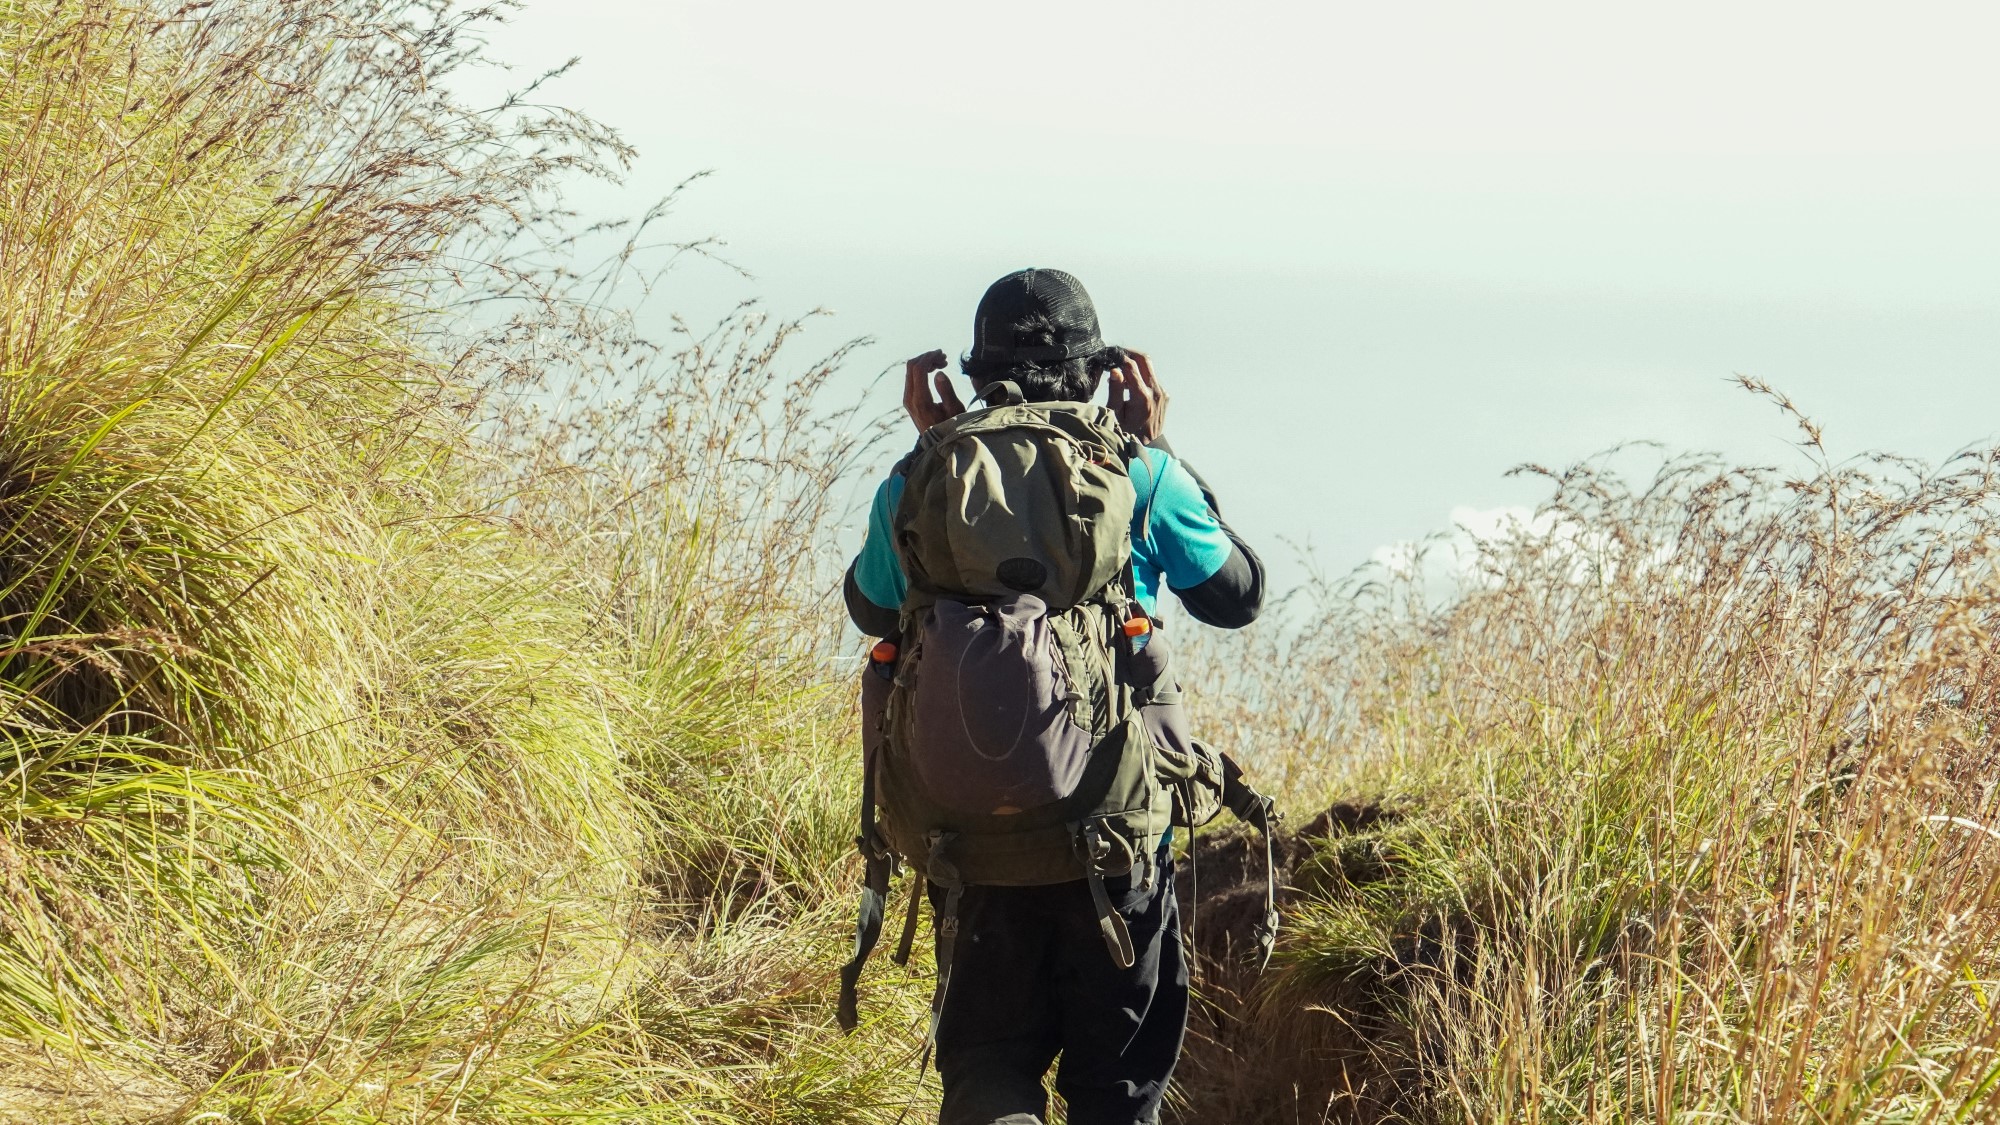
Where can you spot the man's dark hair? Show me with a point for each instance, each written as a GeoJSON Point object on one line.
{"type": "Point", "coordinates": [1065, 380]}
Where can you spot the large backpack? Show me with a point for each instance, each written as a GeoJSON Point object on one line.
{"type": "Point", "coordinates": [1021, 728]}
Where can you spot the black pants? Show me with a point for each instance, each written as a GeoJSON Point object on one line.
{"type": "Point", "coordinates": [1032, 980]}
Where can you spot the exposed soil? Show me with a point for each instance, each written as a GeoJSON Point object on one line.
{"type": "Point", "coordinates": [1285, 1046]}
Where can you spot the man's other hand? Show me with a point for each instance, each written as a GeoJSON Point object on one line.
{"type": "Point", "coordinates": [919, 376]}
{"type": "Point", "coordinates": [1136, 398]}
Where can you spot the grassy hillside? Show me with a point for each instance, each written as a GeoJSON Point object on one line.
{"type": "Point", "coordinates": [391, 730]}
{"type": "Point", "coordinates": [1681, 807]}
{"type": "Point", "coordinates": [415, 701]}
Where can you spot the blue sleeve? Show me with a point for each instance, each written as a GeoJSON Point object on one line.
{"type": "Point", "coordinates": [1184, 538]}
{"type": "Point", "coordinates": [877, 573]}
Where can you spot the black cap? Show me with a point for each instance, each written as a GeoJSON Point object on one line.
{"type": "Point", "coordinates": [1020, 294]}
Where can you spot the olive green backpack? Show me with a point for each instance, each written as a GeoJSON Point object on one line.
{"type": "Point", "coordinates": [1022, 728]}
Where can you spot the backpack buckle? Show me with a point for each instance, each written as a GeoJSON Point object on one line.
{"type": "Point", "coordinates": [1103, 852]}
{"type": "Point", "coordinates": [1094, 847]}
{"type": "Point", "coordinates": [871, 847]}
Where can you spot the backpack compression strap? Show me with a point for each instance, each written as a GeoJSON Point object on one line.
{"type": "Point", "coordinates": [879, 864]}
{"type": "Point", "coordinates": [939, 869]}
{"type": "Point", "coordinates": [1256, 809]}
{"type": "Point", "coordinates": [1099, 849]}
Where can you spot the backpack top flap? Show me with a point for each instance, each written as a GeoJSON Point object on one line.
{"type": "Point", "coordinates": [1023, 499]}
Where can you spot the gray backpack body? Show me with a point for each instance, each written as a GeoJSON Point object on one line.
{"type": "Point", "coordinates": [1023, 729]}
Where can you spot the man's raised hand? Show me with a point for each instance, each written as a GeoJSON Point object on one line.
{"type": "Point", "coordinates": [1136, 398]}
{"type": "Point", "coordinates": [920, 375]}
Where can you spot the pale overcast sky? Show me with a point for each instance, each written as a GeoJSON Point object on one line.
{"type": "Point", "coordinates": [1380, 252]}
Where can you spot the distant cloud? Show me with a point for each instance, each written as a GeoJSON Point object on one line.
{"type": "Point", "coordinates": [1454, 552]}
{"type": "Point", "coordinates": [1452, 557]}
{"type": "Point", "coordinates": [1486, 525]}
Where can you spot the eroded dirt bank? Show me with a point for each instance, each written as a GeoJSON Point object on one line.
{"type": "Point", "coordinates": [1303, 1041]}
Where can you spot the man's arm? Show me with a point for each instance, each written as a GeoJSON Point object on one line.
{"type": "Point", "coordinates": [1205, 563]}
{"type": "Point", "coordinates": [1233, 596]}
{"type": "Point", "coordinates": [871, 619]}
{"type": "Point", "coordinates": [874, 585]}
{"type": "Point", "coordinates": [1225, 591]}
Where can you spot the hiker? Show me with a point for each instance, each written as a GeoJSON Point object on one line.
{"type": "Point", "coordinates": [1023, 734]}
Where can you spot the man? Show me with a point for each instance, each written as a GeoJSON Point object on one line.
{"type": "Point", "coordinates": [1030, 978]}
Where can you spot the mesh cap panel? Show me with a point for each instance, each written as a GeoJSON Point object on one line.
{"type": "Point", "coordinates": [1053, 293]}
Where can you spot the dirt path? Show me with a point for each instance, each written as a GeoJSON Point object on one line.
{"type": "Point", "coordinates": [1291, 1044]}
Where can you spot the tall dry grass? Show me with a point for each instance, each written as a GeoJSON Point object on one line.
{"type": "Point", "coordinates": [414, 701]}
{"type": "Point", "coordinates": [1687, 811]}
{"type": "Point", "coordinates": [409, 705]}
